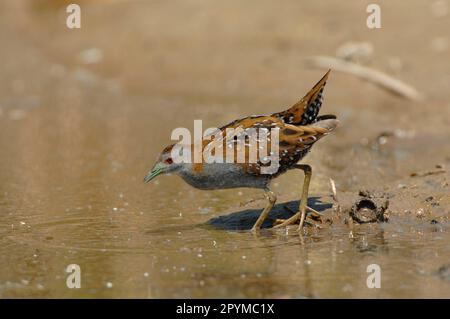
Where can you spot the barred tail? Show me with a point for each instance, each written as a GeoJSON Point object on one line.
{"type": "Point", "coordinates": [305, 111]}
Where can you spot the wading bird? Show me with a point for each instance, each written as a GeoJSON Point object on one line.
{"type": "Point", "coordinates": [299, 128]}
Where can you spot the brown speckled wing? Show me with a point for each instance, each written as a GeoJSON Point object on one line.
{"type": "Point", "coordinates": [294, 141]}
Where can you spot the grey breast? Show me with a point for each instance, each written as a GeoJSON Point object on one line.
{"type": "Point", "coordinates": [222, 176]}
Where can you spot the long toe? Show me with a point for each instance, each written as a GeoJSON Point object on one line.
{"type": "Point", "coordinates": [289, 221]}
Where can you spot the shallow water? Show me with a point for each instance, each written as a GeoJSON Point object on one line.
{"type": "Point", "coordinates": [126, 253]}
{"type": "Point", "coordinates": [76, 140]}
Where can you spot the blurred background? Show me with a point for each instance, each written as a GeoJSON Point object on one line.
{"type": "Point", "coordinates": [84, 113]}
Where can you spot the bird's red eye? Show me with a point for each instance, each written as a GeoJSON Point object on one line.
{"type": "Point", "coordinates": [169, 161]}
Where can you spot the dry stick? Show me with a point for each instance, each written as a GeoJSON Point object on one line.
{"type": "Point", "coordinates": [333, 189]}
{"type": "Point", "coordinates": [336, 204]}
{"type": "Point", "coordinates": [377, 77]}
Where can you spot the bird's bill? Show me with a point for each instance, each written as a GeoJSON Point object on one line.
{"type": "Point", "coordinates": [157, 170]}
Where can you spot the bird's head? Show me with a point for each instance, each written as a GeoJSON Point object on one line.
{"type": "Point", "coordinates": [164, 164]}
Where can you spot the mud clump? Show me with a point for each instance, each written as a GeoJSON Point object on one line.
{"type": "Point", "coordinates": [370, 207]}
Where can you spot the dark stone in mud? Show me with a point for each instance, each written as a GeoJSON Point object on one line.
{"type": "Point", "coordinates": [370, 207]}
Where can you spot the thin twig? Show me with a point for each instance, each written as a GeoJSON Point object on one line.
{"type": "Point", "coordinates": [336, 205]}
{"type": "Point", "coordinates": [377, 77]}
{"type": "Point", "coordinates": [333, 189]}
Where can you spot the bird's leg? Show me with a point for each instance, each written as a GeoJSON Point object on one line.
{"type": "Point", "coordinates": [308, 172]}
{"type": "Point", "coordinates": [303, 201]}
{"type": "Point", "coordinates": [272, 199]}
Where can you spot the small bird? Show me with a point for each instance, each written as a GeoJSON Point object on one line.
{"type": "Point", "coordinates": [299, 128]}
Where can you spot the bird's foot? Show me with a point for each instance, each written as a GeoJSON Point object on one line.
{"type": "Point", "coordinates": [314, 218]}
{"type": "Point", "coordinates": [280, 222]}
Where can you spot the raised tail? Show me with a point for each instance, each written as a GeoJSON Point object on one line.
{"type": "Point", "coordinates": [305, 111]}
